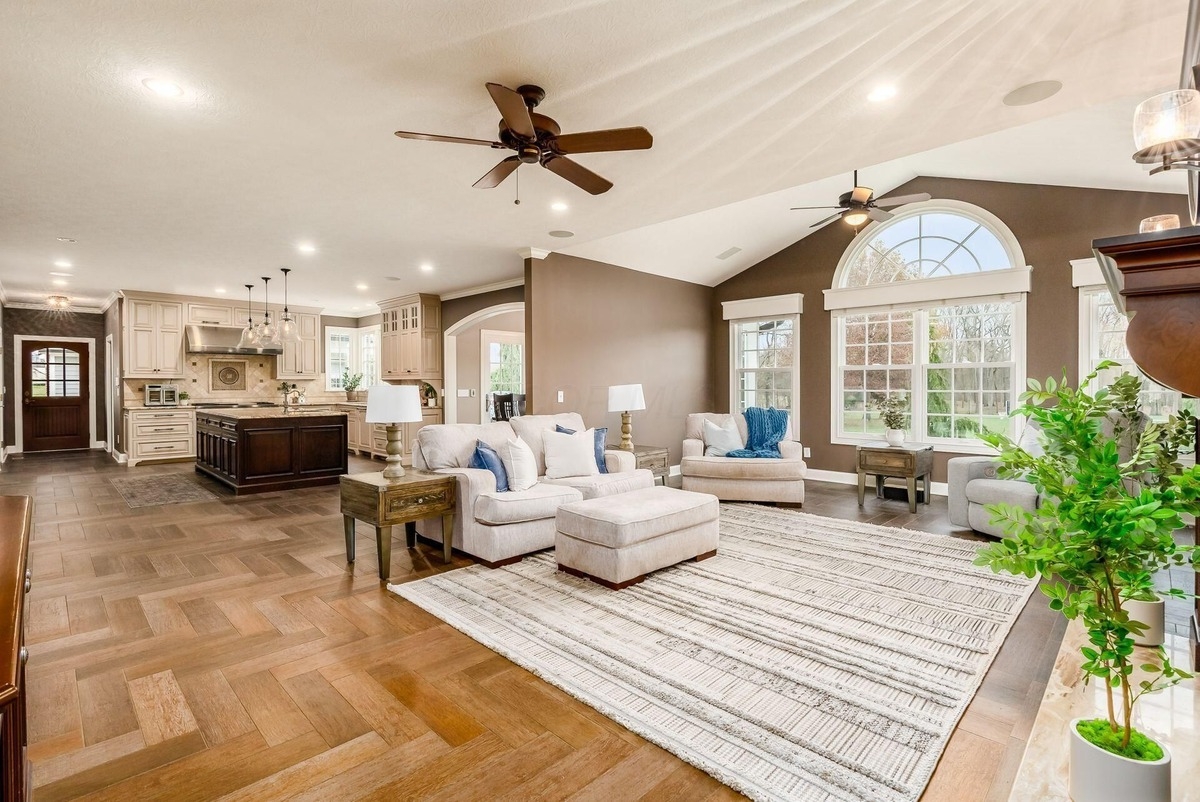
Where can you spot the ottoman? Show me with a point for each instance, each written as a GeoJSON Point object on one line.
{"type": "Point", "coordinates": [617, 540]}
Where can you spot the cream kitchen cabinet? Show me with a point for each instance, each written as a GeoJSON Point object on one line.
{"type": "Point", "coordinates": [153, 339]}
{"type": "Point", "coordinates": [411, 337]}
{"type": "Point", "coordinates": [302, 359]}
{"type": "Point", "coordinates": [154, 434]}
{"type": "Point", "coordinates": [210, 314]}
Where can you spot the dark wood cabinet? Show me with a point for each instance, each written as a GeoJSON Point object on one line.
{"type": "Point", "coordinates": [15, 581]}
{"type": "Point", "coordinates": [253, 452]}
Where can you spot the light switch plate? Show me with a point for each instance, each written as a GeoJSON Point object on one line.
{"type": "Point", "coordinates": [560, 396]}
{"type": "Point", "coordinates": [464, 393]}
{"type": "Point", "coordinates": [807, 453]}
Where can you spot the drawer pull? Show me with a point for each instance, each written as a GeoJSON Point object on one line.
{"type": "Point", "coordinates": [163, 448]}
{"type": "Point", "coordinates": [28, 581]}
{"type": "Point", "coordinates": [164, 429]}
{"type": "Point", "coordinates": [24, 655]}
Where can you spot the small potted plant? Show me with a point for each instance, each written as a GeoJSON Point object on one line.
{"type": "Point", "coordinates": [184, 398]}
{"type": "Point", "coordinates": [350, 383]}
{"type": "Point", "coordinates": [1112, 495]}
{"type": "Point", "coordinates": [892, 412]}
{"type": "Point", "coordinates": [429, 394]}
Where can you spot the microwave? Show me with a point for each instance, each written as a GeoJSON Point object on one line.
{"type": "Point", "coordinates": [162, 395]}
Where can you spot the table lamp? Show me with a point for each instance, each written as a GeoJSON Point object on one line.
{"type": "Point", "coordinates": [625, 398]}
{"type": "Point", "coordinates": [394, 404]}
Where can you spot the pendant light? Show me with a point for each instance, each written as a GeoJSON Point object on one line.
{"type": "Point", "coordinates": [249, 334]}
{"type": "Point", "coordinates": [267, 335]}
{"type": "Point", "coordinates": [289, 331]}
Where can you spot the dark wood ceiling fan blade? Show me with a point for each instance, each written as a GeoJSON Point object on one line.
{"type": "Point", "coordinates": [501, 171]}
{"type": "Point", "coordinates": [828, 219]}
{"type": "Point", "coordinates": [879, 215]}
{"type": "Point", "coordinates": [887, 203]}
{"type": "Point", "coordinates": [806, 208]}
{"type": "Point", "coordinates": [514, 111]}
{"type": "Point", "coordinates": [454, 139]}
{"type": "Point", "coordinates": [607, 140]}
{"type": "Point", "coordinates": [578, 175]}
{"type": "Point", "coordinates": [861, 194]}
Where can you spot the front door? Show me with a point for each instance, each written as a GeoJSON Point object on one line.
{"type": "Point", "coordinates": [54, 396]}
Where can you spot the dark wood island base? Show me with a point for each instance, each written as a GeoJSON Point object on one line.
{"type": "Point", "coordinates": [259, 450]}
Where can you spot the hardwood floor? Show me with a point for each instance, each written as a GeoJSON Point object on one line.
{"type": "Point", "coordinates": [225, 650]}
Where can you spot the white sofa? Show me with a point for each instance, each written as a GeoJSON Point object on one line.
{"type": "Point", "coordinates": [731, 479]}
{"type": "Point", "coordinates": [500, 528]}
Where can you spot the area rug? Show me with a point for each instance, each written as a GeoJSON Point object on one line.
{"type": "Point", "coordinates": [154, 491]}
{"type": "Point", "coordinates": [812, 659]}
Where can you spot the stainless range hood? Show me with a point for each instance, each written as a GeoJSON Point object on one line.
{"type": "Point", "coordinates": [222, 340]}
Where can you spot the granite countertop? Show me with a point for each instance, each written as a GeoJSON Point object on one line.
{"type": "Point", "coordinates": [257, 413]}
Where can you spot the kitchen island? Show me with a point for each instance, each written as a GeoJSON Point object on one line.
{"type": "Point", "coordinates": [256, 450]}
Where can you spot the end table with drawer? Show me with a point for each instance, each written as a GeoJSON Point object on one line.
{"type": "Point", "coordinates": [383, 503]}
{"type": "Point", "coordinates": [656, 459]}
{"type": "Point", "coordinates": [910, 461]}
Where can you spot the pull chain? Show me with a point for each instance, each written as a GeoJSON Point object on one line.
{"type": "Point", "coordinates": [517, 181]}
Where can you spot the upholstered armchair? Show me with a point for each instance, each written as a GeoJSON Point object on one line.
{"type": "Point", "coordinates": [732, 479]}
{"type": "Point", "coordinates": [973, 483]}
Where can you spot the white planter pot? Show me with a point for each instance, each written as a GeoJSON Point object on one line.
{"type": "Point", "coordinates": [1153, 615]}
{"type": "Point", "coordinates": [1100, 776]}
{"type": "Point", "coordinates": [894, 437]}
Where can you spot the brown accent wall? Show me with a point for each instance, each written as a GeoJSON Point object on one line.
{"type": "Point", "coordinates": [48, 324]}
{"type": "Point", "coordinates": [1053, 225]}
{"type": "Point", "coordinates": [456, 309]}
{"type": "Point", "coordinates": [590, 325]}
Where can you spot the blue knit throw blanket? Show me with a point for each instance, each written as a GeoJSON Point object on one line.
{"type": "Point", "coordinates": [764, 429]}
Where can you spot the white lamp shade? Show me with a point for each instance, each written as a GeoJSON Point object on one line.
{"type": "Point", "coordinates": [625, 398]}
{"type": "Point", "coordinates": [393, 403]}
{"type": "Point", "coordinates": [1166, 118]}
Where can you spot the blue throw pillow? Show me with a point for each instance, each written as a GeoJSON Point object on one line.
{"type": "Point", "coordinates": [486, 457]}
{"type": "Point", "coordinates": [601, 436]}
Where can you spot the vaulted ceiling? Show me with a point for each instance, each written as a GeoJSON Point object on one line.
{"type": "Point", "coordinates": [284, 131]}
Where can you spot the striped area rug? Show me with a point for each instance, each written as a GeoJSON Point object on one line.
{"type": "Point", "coordinates": [812, 659]}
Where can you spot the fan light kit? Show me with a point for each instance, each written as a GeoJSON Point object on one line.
{"type": "Point", "coordinates": [1166, 131]}
{"type": "Point", "coordinates": [537, 139]}
{"type": "Point", "coordinates": [859, 204]}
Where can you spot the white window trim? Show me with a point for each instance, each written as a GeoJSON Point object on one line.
{"type": "Point", "coordinates": [920, 348]}
{"type": "Point", "coordinates": [487, 336]}
{"type": "Point", "coordinates": [794, 413]}
{"type": "Point", "coordinates": [926, 292]}
{"type": "Point", "coordinates": [355, 349]}
{"type": "Point", "coordinates": [776, 306]}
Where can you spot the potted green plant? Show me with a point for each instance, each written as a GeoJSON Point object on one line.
{"type": "Point", "coordinates": [1112, 494]}
{"type": "Point", "coordinates": [350, 383]}
{"type": "Point", "coordinates": [892, 410]}
{"type": "Point", "coordinates": [184, 398]}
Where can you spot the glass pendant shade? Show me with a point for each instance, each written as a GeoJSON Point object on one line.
{"type": "Point", "coordinates": [289, 332]}
{"type": "Point", "coordinates": [249, 333]}
{"type": "Point", "coordinates": [1165, 118]}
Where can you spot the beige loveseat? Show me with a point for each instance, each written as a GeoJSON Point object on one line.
{"type": "Point", "coordinates": [499, 528]}
{"type": "Point", "coordinates": [732, 479]}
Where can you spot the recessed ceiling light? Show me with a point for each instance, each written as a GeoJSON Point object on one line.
{"type": "Point", "coordinates": [161, 86]}
{"type": "Point", "coordinates": [882, 93]}
{"type": "Point", "coordinates": [64, 275]}
{"type": "Point", "coordinates": [219, 290]}
{"type": "Point", "coordinates": [306, 247]}
{"type": "Point", "coordinates": [62, 263]}
{"type": "Point", "coordinates": [559, 206]}
{"type": "Point", "coordinates": [60, 282]}
{"type": "Point", "coordinates": [561, 234]}
{"type": "Point", "coordinates": [1035, 92]}
{"type": "Point", "coordinates": [64, 239]}
{"type": "Point", "coordinates": [361, 286]}
{"type": "Point", "coordinates": [427, 268]}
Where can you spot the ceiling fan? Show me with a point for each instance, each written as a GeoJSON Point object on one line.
{"type": "Point", "coordinates": [537, 139]}
{"type": "Point", "coordinates": [859, 204]}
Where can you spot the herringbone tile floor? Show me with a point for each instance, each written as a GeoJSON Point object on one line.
{"type": "Point", "coordinates": [226, 650]}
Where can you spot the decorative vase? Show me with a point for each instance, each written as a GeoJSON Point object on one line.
{"type": "Point", "coordinates": [1153, 615]}
{"type": "Point", "coordinates": [894, 437]}
{"type": "Point", "coordinates": [1098, 775]}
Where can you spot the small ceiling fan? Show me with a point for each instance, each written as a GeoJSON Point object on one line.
{"type": "Point", "coordinates": [537, 139]}
{"type": "Point", "coordinates": [859, 204]}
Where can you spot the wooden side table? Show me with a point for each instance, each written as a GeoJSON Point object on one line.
{"type": "Point", "coordinates": [385, 502]}
{"type": "Point", "coordinates": [654, 458]}
{"type": "Point", "coordinates": [911, 461]}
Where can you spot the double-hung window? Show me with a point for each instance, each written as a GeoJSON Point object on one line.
{"type": "Point", "coordinates": [353, 350]}
{"type": "Point", "coordinates": [764, 372]}
{"type": "Point", "coordinates": [930, 307]}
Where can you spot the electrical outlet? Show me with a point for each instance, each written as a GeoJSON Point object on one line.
{"type": "Point", "coordinates": [807, 452]}
{"type": "Point", "coordinates": [560, 396]}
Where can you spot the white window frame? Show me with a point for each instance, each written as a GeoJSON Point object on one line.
{"type": "Point", "coordinates": [355, 359]}
{"type": "Point", "coordinates": [486, 338]}
{"type": "Point", "coordinates": [734, 400]}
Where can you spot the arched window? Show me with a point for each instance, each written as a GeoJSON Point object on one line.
{"type": "Point", "coordinates": [929, 306]}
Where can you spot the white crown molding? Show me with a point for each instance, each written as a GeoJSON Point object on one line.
{"type": "Point", "coordinates": [109, 301]}
{"type": "Point", "coordinates": [3, 295]}
{"type": "Point", "coordinates": [532, 253]}
{"type": "Point", "coordinates": [90, 310]}
{"type": "Point", "coordinates": [482, 288]}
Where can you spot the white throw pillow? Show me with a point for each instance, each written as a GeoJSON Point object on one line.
{"type": "Point", "coordinates": [520, 465]}
{"type": "Point", "coordinates": [570, 454]}
{"type": "Point", "coordinates": [721, 439]}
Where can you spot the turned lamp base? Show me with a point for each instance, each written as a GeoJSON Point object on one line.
{"type": "Point", "coordinates": [626, 432]}
{"type": "Point", "coordinates": [395, 450]}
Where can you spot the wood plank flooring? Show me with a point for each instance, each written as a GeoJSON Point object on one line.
{"type": "Point", "coordinates": [225, 650]}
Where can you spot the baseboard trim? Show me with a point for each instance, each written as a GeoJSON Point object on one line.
{"type": "Point", "coordinates": [120, 456]}
{"type": "Point", "coordinates": [847, 478]}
